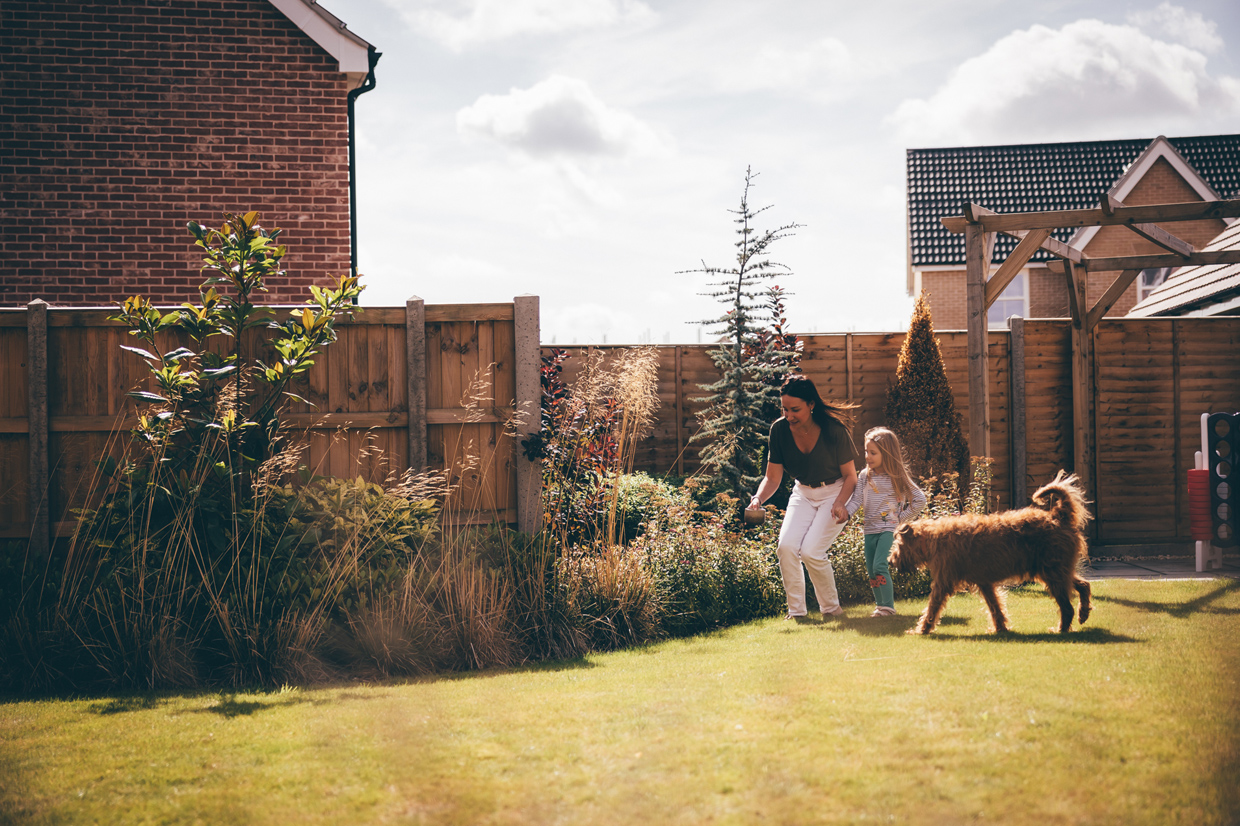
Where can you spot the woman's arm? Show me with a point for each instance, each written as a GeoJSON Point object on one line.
{"type": "Point", "coordinates": [769, 484]}
{"type": "Point", "coordinates": [839, 510]}
{"type": "Point", "coordinates": [854, 502]}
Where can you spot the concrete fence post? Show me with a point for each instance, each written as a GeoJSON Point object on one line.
{"type": "Point", "coordinates": [37, 422]}
{"type": "Point", "coordinates": [529, 409]}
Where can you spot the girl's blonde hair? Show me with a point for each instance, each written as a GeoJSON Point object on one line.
{"type": "Point", "coordinates": [888, 444]}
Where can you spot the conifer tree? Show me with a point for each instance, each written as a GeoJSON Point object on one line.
{"type": "Point", "coordinates": [920, 406]}
{"type": "Point", "coordinates": [735, 422]}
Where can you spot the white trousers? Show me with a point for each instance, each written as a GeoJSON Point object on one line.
{"type": "Point", "coordinates": [808, 531]}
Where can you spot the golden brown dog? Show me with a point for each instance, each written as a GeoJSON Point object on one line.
{"type": "Point", "coordinates": [1043, 542]}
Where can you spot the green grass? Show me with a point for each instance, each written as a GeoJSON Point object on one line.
{"type": "Point", "coordinates": [1135, 719]}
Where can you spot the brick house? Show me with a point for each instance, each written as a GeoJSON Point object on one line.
{"type": "Point", "coordinates": [120, 122]}
{"type": "Point", "coordinates": [1038, 177]}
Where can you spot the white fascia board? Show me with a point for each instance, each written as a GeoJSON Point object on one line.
{"type": "Point", "coordinates": [1160, 147]}
{"type": "Point", "coordinates": [331, 33]}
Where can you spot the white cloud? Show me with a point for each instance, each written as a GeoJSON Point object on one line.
{"type": "Point", "coordinates": [1086, 80]}
{"type": "Point", "coordinates": [816, 68]}
{"type": "Point", "coordinates": [559, 117]}
{"type": "Point", "coordinates": [476, 22]}
{"type": "Point", "coordinates": [1181, 26]}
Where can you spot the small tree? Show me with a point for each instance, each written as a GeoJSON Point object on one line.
{"type": "Point", "coordinates": [753, 360]}
{"type": "Point", "coordinates": [920, 406]}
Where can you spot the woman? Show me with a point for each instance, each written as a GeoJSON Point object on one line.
{"type": "Point", "coordinates": [813, 441]}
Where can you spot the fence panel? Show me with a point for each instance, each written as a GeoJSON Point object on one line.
{"type": "Point", "coordinates": [355, 421]}
{"type": "Point", "coordinates": [1135, 416]}
{"type": "Point", "coordinates": [857, 367]}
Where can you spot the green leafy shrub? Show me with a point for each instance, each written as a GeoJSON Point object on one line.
{"type": "Point", "coordinates": [308, 531]}
{"type": "Point", "coordinates": [709, 576]}
{"type": "Point", "coordinates": [644, 501]}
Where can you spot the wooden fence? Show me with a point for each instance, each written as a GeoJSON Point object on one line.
{"type": "Point", "coordinates": [423, 386]}
{"type": "Point", "coordinates": [1153, 379]}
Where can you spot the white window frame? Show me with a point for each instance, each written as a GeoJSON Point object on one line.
{"type": "Point", "coordinates": [1016, 291]}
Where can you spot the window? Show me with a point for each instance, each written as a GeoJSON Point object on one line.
{"type": "Point", "coordinates": [1013, 301]}
{"type": "Point", "coordinates": [1148, 280]}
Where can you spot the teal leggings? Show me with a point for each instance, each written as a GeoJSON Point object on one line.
{"type": "Point", "coordinates": [877, 546]}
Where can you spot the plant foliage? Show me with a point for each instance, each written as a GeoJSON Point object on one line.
{"type": "Point", "coordinates": [920, 406]}
{"type": "Point", "coordinates": [754, 354]}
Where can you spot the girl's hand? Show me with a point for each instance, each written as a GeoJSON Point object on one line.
{"type": "Point", "coordinates": [840, 513]}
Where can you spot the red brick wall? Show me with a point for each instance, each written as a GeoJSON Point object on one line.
{"type": "Point", "coordinates": [949, 303]}
{"type": "Point", "coordinates": [120, 122]}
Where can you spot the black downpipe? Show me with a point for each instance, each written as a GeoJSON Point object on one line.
{"type": "Point", "coordinates": [366, 86]}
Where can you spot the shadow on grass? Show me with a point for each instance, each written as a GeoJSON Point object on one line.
{"type": "Point", "coordinates": [896, 626]}
{"type": "Point", "coordinates": [1182, 610]}
{"type": "Point", "coordinates": [229, 706]}
{"type": "Point", "coordinates": [120, 705]}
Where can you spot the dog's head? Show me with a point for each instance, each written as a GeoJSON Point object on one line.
{"type": "Point", "coordinates": [907, 550]}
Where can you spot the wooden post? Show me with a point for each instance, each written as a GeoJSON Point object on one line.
{"type": "Point", "coordinates": [1180, 471]}
{"type": "Point", "coordinates": [1082, 382]}
{"type": "Point", "coordinates": [37, 422]}
{"type": "Point", "coordinates": [415, 368]}
{"type": "Point", "coordinates": [1020, 460]}
{"type": "Point", "coordinates": [529, 407]}
{"type": "Point", "coordinates": [848, 364]}
{"type": "Point", "coordinates": [680, 414]}
{"type": "Point", "coordinates": [976, 268]}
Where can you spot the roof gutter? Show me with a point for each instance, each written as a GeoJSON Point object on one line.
{"type": "Point", "coordinates": [367, 85]}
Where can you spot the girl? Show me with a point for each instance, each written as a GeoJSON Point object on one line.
{"type": "Point", "coordinates": [889, 497]}
{"type": "Point", "coordinates": [814, 442]}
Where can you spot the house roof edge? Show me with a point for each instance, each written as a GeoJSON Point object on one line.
{"type": "Point", "coordinates": [332, 33]}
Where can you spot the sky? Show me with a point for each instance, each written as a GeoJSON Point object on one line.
{"type": "Point", "coordinates": [589, 151]}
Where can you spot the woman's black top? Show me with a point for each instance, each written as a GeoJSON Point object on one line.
{"type": "Point", "coordinates": [822, 464]}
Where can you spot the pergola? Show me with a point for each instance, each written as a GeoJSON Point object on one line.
{"type": "Point", "coordinates": [979, 226]}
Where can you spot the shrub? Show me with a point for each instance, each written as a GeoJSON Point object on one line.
{"type": "Point", "coordinates": [642, 501]}
{"type": "Point", "coordinates": [920, 406]}
{"type": "Point", "coordinates": [709, 577]}
{"type": "Point", "coordinates": [614, 595]}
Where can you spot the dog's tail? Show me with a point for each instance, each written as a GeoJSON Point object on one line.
{"type": "Point", "coordinates": [1064, 499]}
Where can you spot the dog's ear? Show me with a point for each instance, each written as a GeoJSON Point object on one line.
{"type": "Point", "coordinates": [904, 534]}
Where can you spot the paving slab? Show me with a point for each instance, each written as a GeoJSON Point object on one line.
{"type": "Point", "coordinates": [1184, 567]}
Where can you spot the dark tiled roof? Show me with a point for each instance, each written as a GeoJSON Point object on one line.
{"type": "Point", "coordinates": [1196, 288]}
{"type": "Point", "coordinates": [1036, 177]}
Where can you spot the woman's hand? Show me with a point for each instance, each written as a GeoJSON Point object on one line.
{"type": "Point", "coordinates": [755, 503]}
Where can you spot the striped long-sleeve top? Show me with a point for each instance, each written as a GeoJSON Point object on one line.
{"type": "Point", "coordinates": [882, 510]}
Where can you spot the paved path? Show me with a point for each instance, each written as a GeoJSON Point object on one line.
{"type": "Point", "coordinates": [1176, 567]}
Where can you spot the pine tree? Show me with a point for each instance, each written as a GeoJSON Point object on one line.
{"type": "Point", "coordinates": [735, 421]}
{"type": "Point", "coordinates": [920, 406]}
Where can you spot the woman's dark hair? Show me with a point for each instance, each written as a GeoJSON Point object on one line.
{"type": "Point", "coordinates": [800, 387]}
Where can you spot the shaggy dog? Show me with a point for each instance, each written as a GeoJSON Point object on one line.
{"type": "Point", "coordinates": [1043, 542]}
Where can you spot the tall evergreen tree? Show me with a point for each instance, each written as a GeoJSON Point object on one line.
{"type": "Point", "coordinates": [735, 421]}
{"type": "Point", "coordinates": [920, 406]}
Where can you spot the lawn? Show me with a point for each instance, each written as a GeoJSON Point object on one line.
{"type": "Point", "coordinates": [1135, 719]}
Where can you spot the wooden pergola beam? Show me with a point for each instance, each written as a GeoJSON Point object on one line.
{"type": "Point", "coordinates": [956, 224]}
{"type": "Point", "coordinates": [1150, 232]}
{"type": "Point", "coordinates": [1109, 298]}
{"type": "Point", "coordinates": [1200, 258]}
{"type": "Point", "coordinates": [1057, 219]}
{"type": "Point", "coordinates": [1015, 262]}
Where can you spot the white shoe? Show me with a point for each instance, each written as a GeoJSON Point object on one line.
{"type": "Point", "coordinates": [883, 611]}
